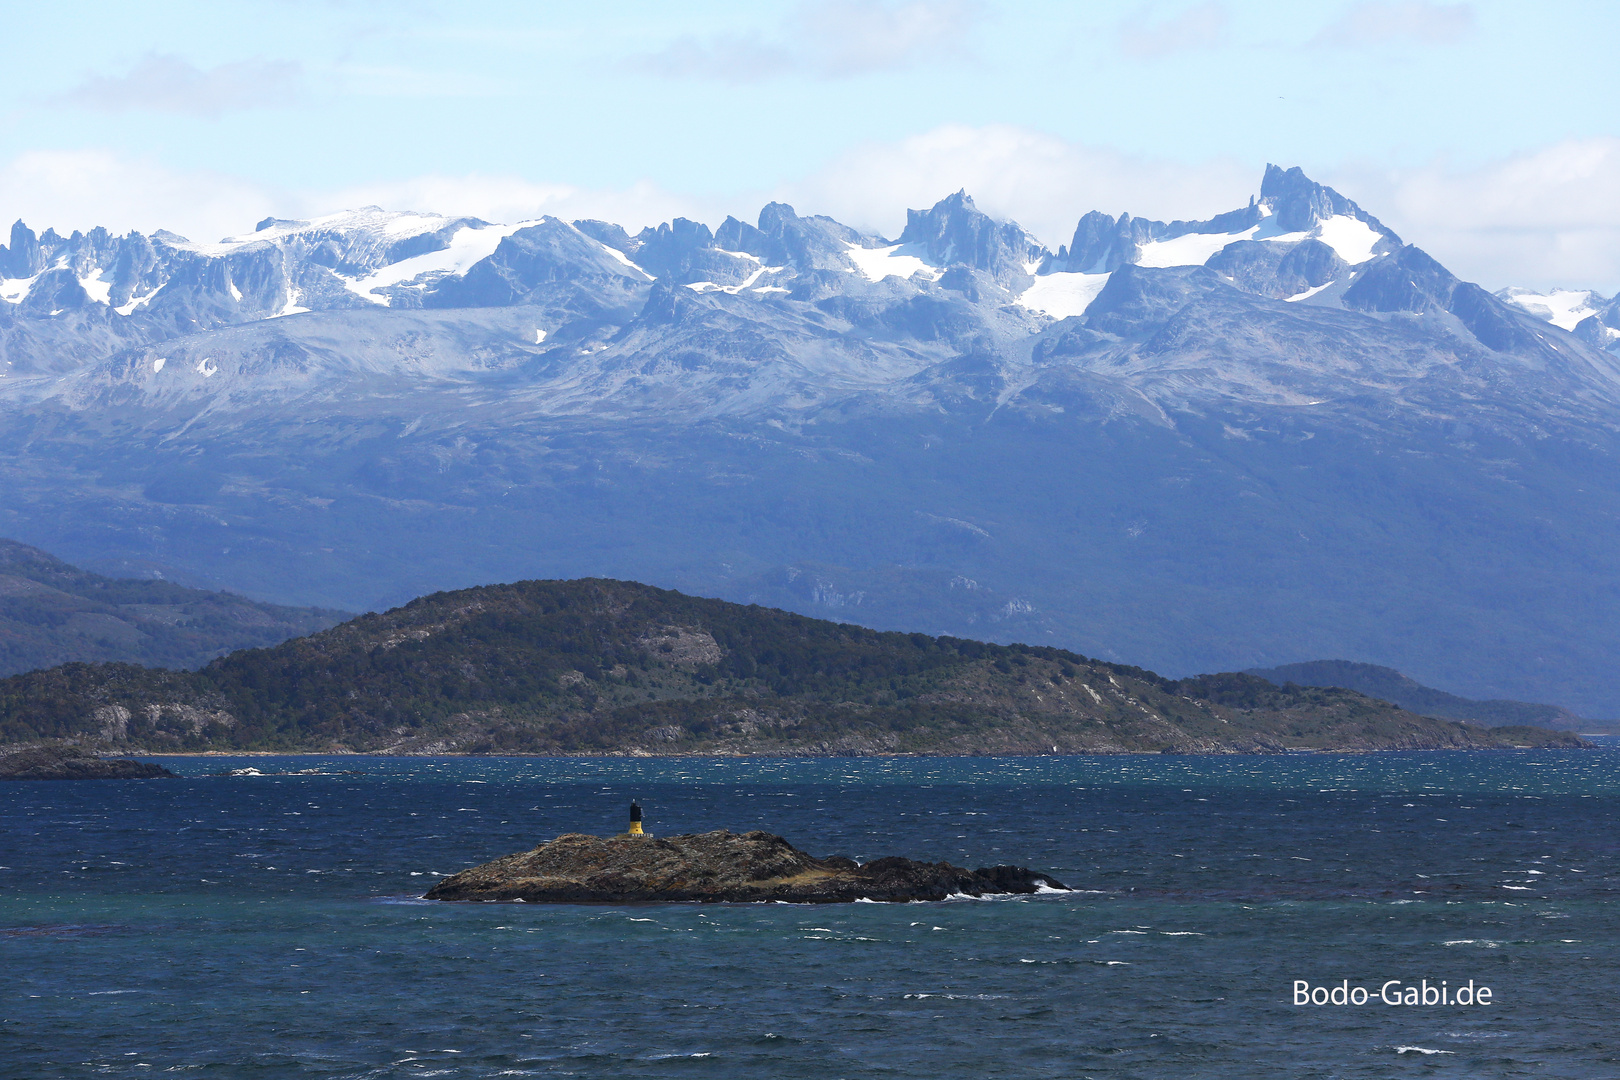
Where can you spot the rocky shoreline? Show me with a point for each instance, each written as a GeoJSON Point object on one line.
{"type": "Point", "coordinates": [717, 867]}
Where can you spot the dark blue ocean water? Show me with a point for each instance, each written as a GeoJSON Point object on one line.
{"type": "Point", "coordinates": [267, 927]}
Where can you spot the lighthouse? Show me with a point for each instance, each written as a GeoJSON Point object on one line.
{"type": "Point", "coordinates": [635, 820]}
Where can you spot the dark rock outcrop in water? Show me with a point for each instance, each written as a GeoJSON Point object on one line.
{"type": "Point", "coordinates": [73, 763]}
{"type": "Point", "coordinates": [714, 867]}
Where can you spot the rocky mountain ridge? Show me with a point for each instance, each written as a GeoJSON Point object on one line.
{"type": "Point", "coordinates": [1299, 242]}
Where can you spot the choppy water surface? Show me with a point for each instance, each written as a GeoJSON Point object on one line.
{"type": "Point", "coordinates": [267, 926]}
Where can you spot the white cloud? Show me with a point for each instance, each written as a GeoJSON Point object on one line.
{"type": "Point", "coordinates": [1198, 27]}
{"type": "Point", "coordinates": [1547, 218]}
{"type": "Point", "coordinates": [1377, 22]}
{"type": "Point", "coordinates": [1042, 182]}
{"type": "Point", "coordinates": [80, 189]}
{"type": "Point", "coordinates": [396, 81]}
{"type": "Point", "coordinates": [69, 190]}
{"type": "Point", "coordinates": [826, 39]}
{"type": "Point", "coordinates": [851, 37]}
{"type": "Point", "coordinates": [508, 199]}
{"type": "Point", "coordinates": [729, 58]}
{"type": "Point", "coordinates": [162, 83]}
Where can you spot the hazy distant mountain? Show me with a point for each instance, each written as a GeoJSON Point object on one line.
{"type": "Point", "coordinates": [1387, 684]}
{"type": "Point", "coordinates": [1276, 434]}
{"type": "Point", "coordinates": [52, 613]}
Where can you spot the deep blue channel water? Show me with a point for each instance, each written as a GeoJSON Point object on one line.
{"type": "Point", "coordinates": [268, 926]}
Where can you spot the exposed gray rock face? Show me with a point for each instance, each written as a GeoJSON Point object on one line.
{"type": "Point", "coordinates": [1278, 271]}
{"type": "Point", "coordinates": [1603, 329]}
{"type": "Point", "coordinates": [1300, 203]}
{"type": "Point", "coordinates": [23, 258]}
{"type": "Point", "coordinates": [531, 264]}
{"type": "Point", "coordinates": [684, 252]}
{"type": "Point", "coordinates": [954, 233]}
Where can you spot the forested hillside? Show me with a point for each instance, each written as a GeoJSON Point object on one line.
{"type": "Point", "coordinates": [599, 666]}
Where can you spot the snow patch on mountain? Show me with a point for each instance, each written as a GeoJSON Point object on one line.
{"type": "Point", "coordinates": [1350, 238]}
{"type": "Point", "coordinates": [469, 245]}
{"type": "Point", "coordinates": [1061, 295]}
{"type": "Point", "coordinates": [15, 290]}
{"type": "Point", "coordinates": [746, 283]}
{"type": "Point", "coordinates": [97, 289]}
{"type": "Point", "coordinates": [1308, 293]}
{"type": "Point", "coordinates": [1191, 249]}
{"type": "Point", "coordinates": [623, 258]}
{"type": "Point", "coordinates": [389, 225]}
{"type": "Point", "coordinates": [898, 260]}
{"type": "Point", "coordinates": [291, 307]}
{"type": "Point", "coordinates": [136, 302]}
{"type": "Point", "coordinates": [1564, 308]}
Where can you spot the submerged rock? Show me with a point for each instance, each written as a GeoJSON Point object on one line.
{"type": "Point", "coordinates": [718, 866]}
{"type": "Point", "coordinates": [73, 763]}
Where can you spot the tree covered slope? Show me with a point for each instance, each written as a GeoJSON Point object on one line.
{"type": "Point", "coordinates": [599, 666]}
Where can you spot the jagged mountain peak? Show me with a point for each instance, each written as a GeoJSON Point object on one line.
{"type": "Point", "coordinates": [1298, 241]}
{"type": "Point", "coordinates": [1301, 204]}
{"type": "Point", "coordinates": [955, 232]}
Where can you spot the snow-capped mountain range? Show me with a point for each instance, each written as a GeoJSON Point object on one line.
{"type": "Point", "coordinates": [1279, 434]}
{"type": "Point", "coordinates": [1298, 242]}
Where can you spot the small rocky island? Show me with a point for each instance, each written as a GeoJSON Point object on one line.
{"type": "Point", "coordinates": [72, 763]}
{"type": "Point", "coordinates": [717, 867]}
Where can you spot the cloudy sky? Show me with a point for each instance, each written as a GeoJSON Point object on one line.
{"type": "Point", "coordinates": [1483, 131]}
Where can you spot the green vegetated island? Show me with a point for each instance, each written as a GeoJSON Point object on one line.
{"type": "Point", "coordinates": [611, 667]}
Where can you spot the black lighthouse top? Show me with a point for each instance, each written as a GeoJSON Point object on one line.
{"type": "Point", "coordinates": [635, 811]}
